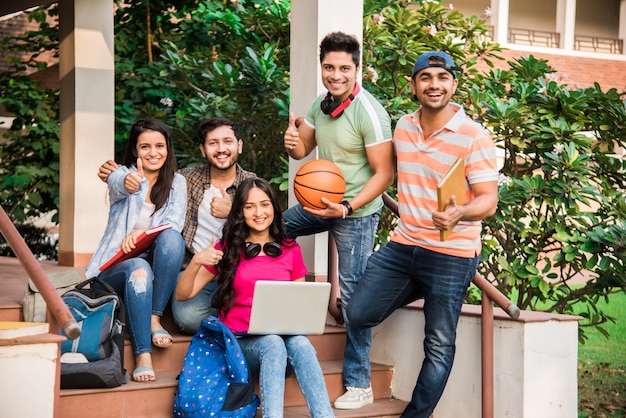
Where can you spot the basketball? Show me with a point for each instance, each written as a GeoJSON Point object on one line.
{"type": "Point", "coordinates": [316, 179]}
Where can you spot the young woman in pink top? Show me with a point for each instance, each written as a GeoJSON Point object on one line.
{"type": "Point", "coordinates": [254, 246]}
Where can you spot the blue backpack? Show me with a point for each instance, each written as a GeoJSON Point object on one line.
{"type": "Point", "coordinates": [215, 380]}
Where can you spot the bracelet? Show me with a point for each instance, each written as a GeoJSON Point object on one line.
{"type": "Point", "coordinates": [347, 206]}
{"type": "Point", "coordinates": [343, 212]}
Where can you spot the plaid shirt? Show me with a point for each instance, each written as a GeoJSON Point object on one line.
{"type": "Point", "coordinates": [198, 180]}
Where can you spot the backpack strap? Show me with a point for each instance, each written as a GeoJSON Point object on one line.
{"type": "Point", "coordinates": [102, 283]}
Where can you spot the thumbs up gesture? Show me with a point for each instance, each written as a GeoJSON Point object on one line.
{"type": "Point", "coordinates": [210, 256]}
{"type": "Point", "coordinates": [220, 206]}
{"type": "Point", "coordinates": [132, 181]}
{"type": "Point", "coordinates": [291, 138]}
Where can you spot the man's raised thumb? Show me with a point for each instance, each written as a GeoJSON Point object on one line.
{"type": "Point", "coordinates": [292, 120]}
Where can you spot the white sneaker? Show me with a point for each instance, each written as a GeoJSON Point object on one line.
{"type": "Point", "coordinates": [355, 398]}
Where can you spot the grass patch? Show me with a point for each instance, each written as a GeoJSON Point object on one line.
{"type": "Point", "coordinates": [602, 366]}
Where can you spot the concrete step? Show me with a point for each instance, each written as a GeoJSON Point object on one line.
{"type": "Point", "coordinates": [155, 399]}
{"type": "Point", "coordinates": [328, 346]}
{"type": "Point", "coordinates": [381, 408]}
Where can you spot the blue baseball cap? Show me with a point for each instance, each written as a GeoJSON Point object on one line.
{"type": "Point", "coordinates": [423, 61]}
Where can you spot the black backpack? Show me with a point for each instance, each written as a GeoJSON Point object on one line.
{"type": "Point", "coordinates": [96, 358]}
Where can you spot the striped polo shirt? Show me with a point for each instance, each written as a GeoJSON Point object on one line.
{"type": "Point", "coordinates": [421, 164]}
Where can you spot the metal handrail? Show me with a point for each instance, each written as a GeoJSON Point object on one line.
{"type": "Point", "coordinates": [59, 313]}
{"type": "Point", "coordinates": [54, 303]}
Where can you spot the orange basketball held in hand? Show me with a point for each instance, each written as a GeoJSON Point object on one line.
{"type": "Point", "coordinates": [316, 179]}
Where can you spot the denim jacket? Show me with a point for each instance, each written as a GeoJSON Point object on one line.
{"type": "Point", "coordinates": [125, 209]}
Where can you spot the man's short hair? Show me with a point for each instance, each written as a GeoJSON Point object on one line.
{"type": "Point", "coordinates": [341, 42]}
{"type": "Point", "coordinates": [211, 124]}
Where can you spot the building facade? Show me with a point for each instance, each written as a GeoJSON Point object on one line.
{"type": "Point", "coordinates": [583, 40]}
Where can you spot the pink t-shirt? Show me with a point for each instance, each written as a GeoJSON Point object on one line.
{"type": "Point", "coordinates": [288, 266]}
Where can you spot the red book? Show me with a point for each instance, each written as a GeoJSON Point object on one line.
{"type": "Point", "coordinates": [144, 241]}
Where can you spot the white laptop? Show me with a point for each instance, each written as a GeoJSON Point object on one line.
{"type": "Point", "coordinates": [289, 308]}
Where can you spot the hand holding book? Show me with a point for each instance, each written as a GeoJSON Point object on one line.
{"type": "Point", "coordinates": [129, 243]}
{"type": "Point", "coordinates": [141, 243]}
{"type": "Point", "coordinates": [451, 190]}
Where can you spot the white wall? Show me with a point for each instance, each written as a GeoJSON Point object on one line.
{"type": "Point", "coordinates": [598, 18]}
{"type": "Point", "coordinates": [27, 384]}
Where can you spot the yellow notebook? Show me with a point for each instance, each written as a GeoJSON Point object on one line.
{"type": "Point", "coordinates": [452, 183]}
{"type": "Point", "coordinates": [10, 329]}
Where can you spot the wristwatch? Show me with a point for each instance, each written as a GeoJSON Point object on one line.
{"type": "Point", "coordinates": [348, 206]}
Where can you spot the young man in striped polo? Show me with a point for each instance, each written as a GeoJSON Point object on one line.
{"type": "Point", "coordinates": [416, 263]}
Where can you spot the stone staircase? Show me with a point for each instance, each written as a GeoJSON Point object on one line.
{"type": "Point", "coordinates": [156, 399]}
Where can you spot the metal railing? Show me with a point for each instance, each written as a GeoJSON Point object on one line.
{"type": "Point", "coordinates": [59, 313]}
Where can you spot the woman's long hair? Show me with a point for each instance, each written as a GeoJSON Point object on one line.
{"type": "Point", "coordinates": [236, 232]}
{"type": "Point", "coordinates": [161, 189]}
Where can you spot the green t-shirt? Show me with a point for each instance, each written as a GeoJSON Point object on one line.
{"type": "Point", "coordinates": [343, 140]}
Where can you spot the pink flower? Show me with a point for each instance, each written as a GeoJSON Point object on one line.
{"type": "Point", "coordinates": [372, 74]}
{"type": "Point", "coordinates": [553, 77]}
{"type": "Point", "coordinates": [167, 102]}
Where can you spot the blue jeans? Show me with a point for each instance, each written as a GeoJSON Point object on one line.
{"type": "Point", "coordinates": [166, 256]}
{"type": "Point", "coordinates": [146, 283]}
{"type": "Point", "coordinates": [399, 274]}
{"type": "Point", "coordinates": [189, 313]}
{"type": "Point", "coordinates": [268, 358]}
{"type": "Point", "coordinates": [355, 240]}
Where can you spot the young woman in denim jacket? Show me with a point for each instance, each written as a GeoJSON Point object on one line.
{"type": "Point", "coordinates": [144, 192]}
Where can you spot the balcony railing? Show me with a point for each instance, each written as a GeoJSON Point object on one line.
{"type": "Point", "coordinates": [534, 37]}
{"type": "Point", "coordinates": [552, 40]}
{"type": "Point", "coordinates": [598, 44]}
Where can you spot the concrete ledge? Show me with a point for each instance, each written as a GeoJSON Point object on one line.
{"type": "Point", "coordinates": [535, 362]}
{"type": "Point", "coordinates": [500, 314]}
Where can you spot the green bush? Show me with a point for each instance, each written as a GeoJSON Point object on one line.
{"type": "Point", "coordinates": [41, 243]}
{"type": "Point", "coordinates": [29, 155]}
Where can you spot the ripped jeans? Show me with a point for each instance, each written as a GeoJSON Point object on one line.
{"type": "Point", "coordinates": [132, 279]}
{"type": "Point", "coordinates": [144, 292]}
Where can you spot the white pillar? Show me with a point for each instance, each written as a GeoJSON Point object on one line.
{"type": "Point", "coordinates": [87, 79]}
{"type": "Point", "coordinates": [500, 20]}
{"type": "Point", "coordinates": [311, 20]}
{"type": "Point", "coordinates": [622, 23]}
{"type": "Point", "coordinates": [566, 23]}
